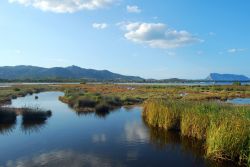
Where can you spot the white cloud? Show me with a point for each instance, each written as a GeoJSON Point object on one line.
{"type": "Point", "coordinates": [235, 50]}
{"type": "Point", "coordinates": [133, 9]}
{"type": "Point", "coordinates": [65, 6]}
{"type": "Point", "coordinates": [211, 33]}
{"type": "Point", "coordinates": [157, 35]}
{"type": "Point", "coordinates": [100, 26]}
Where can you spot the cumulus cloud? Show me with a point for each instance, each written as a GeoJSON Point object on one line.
{"type": "Point", "coordinates": [133, 9]}
{"type": "Point", "coordinates": [100, 26]}
{"type": "Point", "coordinates": [65, 6]}
{"type": "Point", "coordinates": [157, 35]}
{"type": "Point", "coordinates": [235, 50]}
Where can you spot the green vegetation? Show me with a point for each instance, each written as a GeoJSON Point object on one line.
{"type": "Point", "coordinates": [223, 128]}
{"type": "Point", "coordinates": [7, 120]}
{"type": "Point", "coordinates": [90, 102]}
{"type": "Point", "coordinates": [8, 93]}
{"type": "Point", "coordinates": [7, 116]}
{"type": "Point", "coordinates": [35, 114]}
{"type": "Point", "coordinates": [32, 118]}
{"type": "Point", "coordinates": [140, 93]}
{"type": "Point", "coordinates": [237, 83]}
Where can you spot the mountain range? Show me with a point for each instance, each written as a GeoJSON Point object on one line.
{"type": "Point", "coordinates": [32, 73]}
{"type": "Point", "coordinates": [72, 72]}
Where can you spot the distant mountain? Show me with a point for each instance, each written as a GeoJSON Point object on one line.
{"type": "Point", "coordinates": [72, 72]}
{"type": "Point", "coordinates": [227, 77]}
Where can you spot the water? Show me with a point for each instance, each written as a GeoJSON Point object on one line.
{"type": "Point", "coordinates": [10, 84]}
{"type": "Point", "coordinates": [163, 84]}
{"type": "Point", "coordinates": [120, 138]}
{"type": "Point", "coordinates": [241, 101]}
{"type": "Point", "coordinates": [186, 83]}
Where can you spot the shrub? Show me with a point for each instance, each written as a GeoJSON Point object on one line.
{"type": "Point", "coordinates": [7, 115]}
{"type": "Point", "coordinates": [86, 102]}
{"type": "Point", "coordinates": [30, 114]}
{"type": "Point", "coordinates": [237, 83]}
{"type": "Point", "coordinates": [17, 89]}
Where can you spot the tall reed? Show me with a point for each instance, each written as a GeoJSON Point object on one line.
{"type": "Point", "coordinates": [223, 128]}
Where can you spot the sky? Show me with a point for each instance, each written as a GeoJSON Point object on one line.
{"type": "Point", "coordinates": [148, 38]}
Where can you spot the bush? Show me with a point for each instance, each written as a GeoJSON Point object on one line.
{"type": "Point", "coordinates": [113, 101]}
{"type": "Point", "coordinates": [131, 101]}
{"type": "Point", "coordinates": [237, 83]}
{"type": "Point", "coordinates": [17, 89]}
{"type": "Point", "coordinates": [86, 102]}
{"type": "Point", "coordinates": [30, 114]}
{"type": "Point", "coordinates": [7, 116]}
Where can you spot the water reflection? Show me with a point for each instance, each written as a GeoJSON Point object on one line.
{"type": "Point", "coordinates": [34, 126]}
{"type": "Point", "coordinates": [7, 128]}
{"type": "Point", "coordinates": [135, 132]}
{"type": "Point", "coordinates": [163, 139]}
{"type": "Point", "coordinates": [7, 120]}
{"type": "Point", "coordinates": [102, 114]}
{"type": "Point", "coordinates": [32, 122]}
{"type": "Point", "coordinates": [99, 138]}
{"type": "Point", "coordinates": [172, 140]}
{"type": "Point", "coordinates": [86, 112]}
{"type": "Point", "coordinates": [121, 139]}
{"type": "Point", "coordinates": [64, 158]}
{"type": "Point", "coordinates": [89, 111]}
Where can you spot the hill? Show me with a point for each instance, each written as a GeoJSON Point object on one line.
{"type": "Point", "coordinates": [227, 77]}
{"type": "Point", "coordinates": [72, 72]}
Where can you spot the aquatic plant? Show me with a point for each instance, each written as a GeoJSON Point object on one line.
{"type": "Point", "coordinates": [228, 137]}
{"type": "Point", "coordinates": [162, 113]}
{"type": "Point", "coordinates": [224, 128]}
{"type": "Point", "coordinates": [7, 119]}
{"type": "Point", "coordinates": [35, 114]}
{"type": "Point", "coordinates": [7, 115]}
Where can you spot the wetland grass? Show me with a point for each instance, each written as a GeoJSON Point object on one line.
{"type": "Point", "coordinates": [7, 115]}
{"type": "Point", "coordinates": [224, 129]}
{"type": "Point", "coordinates": [35, 114]}
{"type": "Point", "coordinates": [7, 120]}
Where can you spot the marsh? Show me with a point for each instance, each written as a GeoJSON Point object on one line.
{"type": "Point", "coordinates": [121, 138]}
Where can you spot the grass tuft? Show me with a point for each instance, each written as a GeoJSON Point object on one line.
{"type": "Point", "coordinates": [223, 128]}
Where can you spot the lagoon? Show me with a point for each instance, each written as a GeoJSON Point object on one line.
{"type": "Point", "coordinates": [120, 138]}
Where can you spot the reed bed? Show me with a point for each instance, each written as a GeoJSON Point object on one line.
{"type": "Point", "coordinates": [223, 128]}
{"type": "Point", "coordinates": [7, 115]}
{"type": "Point", "coordinates": [35, 114]}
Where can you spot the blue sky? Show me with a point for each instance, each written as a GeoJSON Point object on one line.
{"type": "Point", "coordinates": [148, 38]}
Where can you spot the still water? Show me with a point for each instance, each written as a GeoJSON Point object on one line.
{"type": "Point", "coordinates": [120, 138]}
{"type": "Point", "coordinates": [239, 101]}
